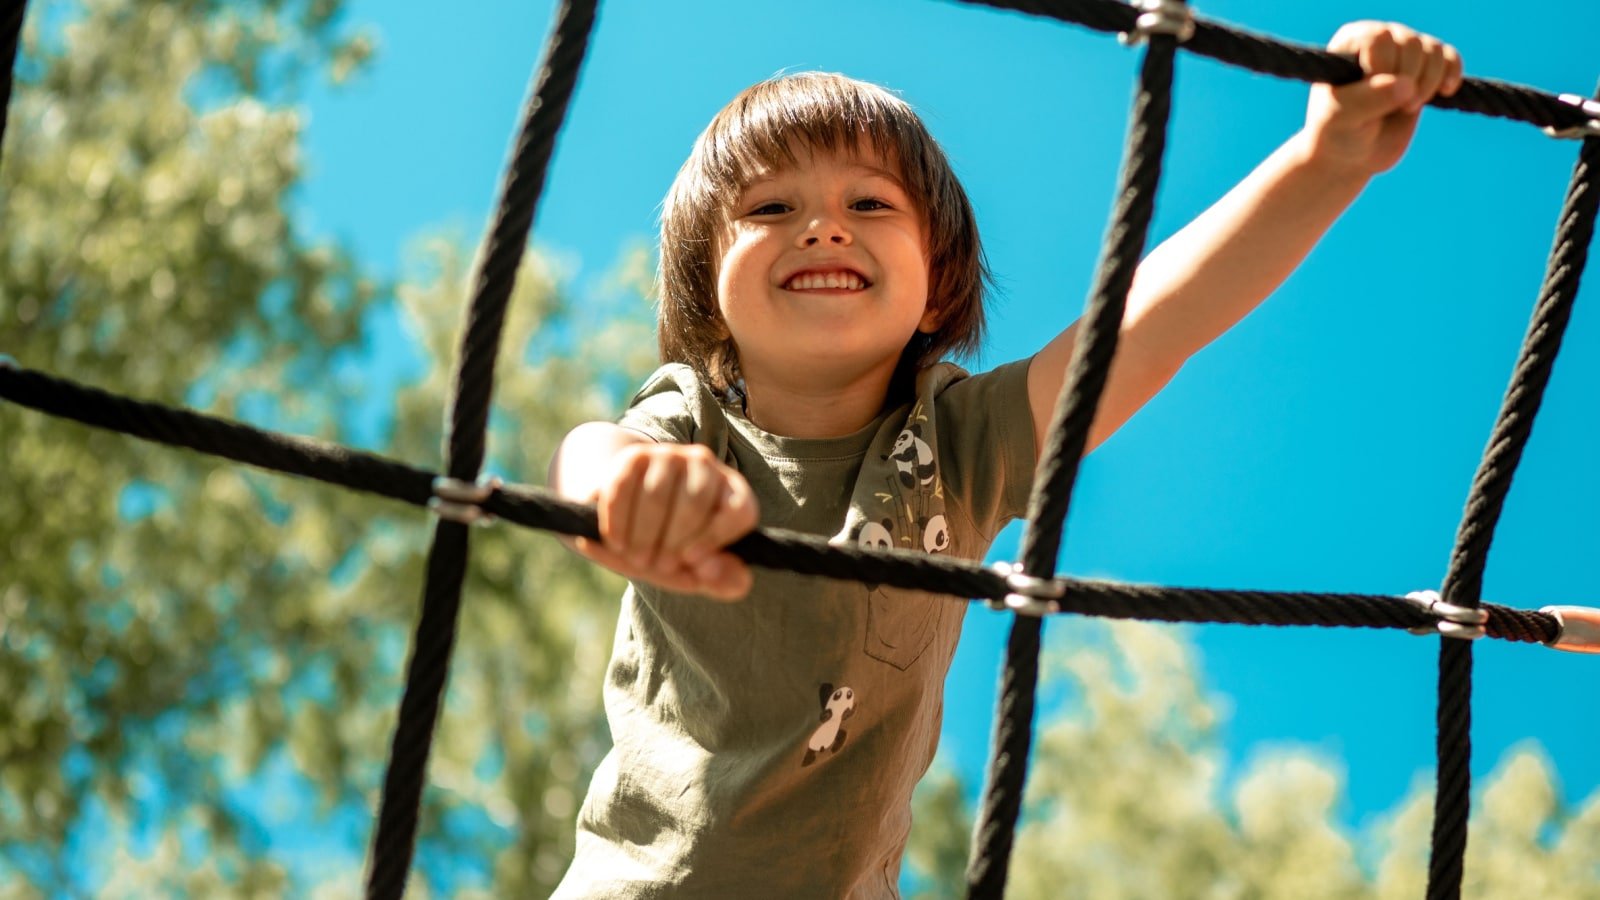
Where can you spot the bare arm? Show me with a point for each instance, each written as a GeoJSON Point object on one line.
{"type": "Point", "coordinates": [1211, 274]}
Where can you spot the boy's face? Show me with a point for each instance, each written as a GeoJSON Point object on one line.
{"type": "Point", "coordinates": [824, 269]}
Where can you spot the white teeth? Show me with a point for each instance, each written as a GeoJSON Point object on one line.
{"type": "Point", "coordinates": [811, 281]}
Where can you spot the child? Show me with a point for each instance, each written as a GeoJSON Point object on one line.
{"type": "Point", "coordinates": [818, 258]}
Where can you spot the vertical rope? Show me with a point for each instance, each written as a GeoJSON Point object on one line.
{"type": "Point", "coordinates": [395, 837]}
{"type": "Point", "coordinates": [1463, 583]}
{"type": "Point", "coordinates": [10, 42]}
{"type": "Point", "coordinates": [1060, 457]}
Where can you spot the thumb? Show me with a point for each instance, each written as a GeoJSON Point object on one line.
{"type": "Point", "coordinates": [1375, 97]}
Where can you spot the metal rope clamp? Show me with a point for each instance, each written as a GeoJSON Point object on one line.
{"type": "Point", "coordinates": [1173, 17]}
{"type": "Point", "coordinates": [462, 501]}
{"type": "Point", "coordinates": [1463, 622]}
{"type": "Point", "coordinates": [1586, 129]}
{"type": "Point", "coordinates": [1577, 628]}
{"type": "Point", "coordinates": [1030, 596]}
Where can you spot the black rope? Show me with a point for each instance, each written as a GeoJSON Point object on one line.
{"type": "Point", "coordinates": [1060, 457]}
{"type": "Point", "coordinates": [1302, 62]}
{"type": "Point", "coordinates": [1463, 583]}
{"type": "Point", "coordinates": [395, 837]}
{"type": "Point", "coordinates": [539, 508]}
{"type": "Point", "coordinates": [10, 41]}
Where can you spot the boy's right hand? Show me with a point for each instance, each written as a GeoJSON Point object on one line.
{"type": "Point", "coordinates": [667, 511]}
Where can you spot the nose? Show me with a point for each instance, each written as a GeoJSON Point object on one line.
{"type": "Point", "coordinates": [825, 229]}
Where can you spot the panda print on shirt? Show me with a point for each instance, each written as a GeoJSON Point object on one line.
{"type": "Point", "coordinates": [837, 705]}
{"type": "Point", "coordinates": [907, 514]}
{"type": "Point", "coordinates": [912, 504]}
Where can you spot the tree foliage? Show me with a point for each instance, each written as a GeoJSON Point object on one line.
{"type": "Point", "coordinates": [200, 660]}
{"type": "Point", "coordinates": [1128, 797]}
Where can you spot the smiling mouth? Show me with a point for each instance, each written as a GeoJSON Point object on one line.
{"type": "Point", "coordinates": [820, 281]}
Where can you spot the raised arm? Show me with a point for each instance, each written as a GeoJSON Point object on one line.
{"type": "Point", "coordinates": [1211, 274]}
{"type": "Point", "coordinates": [666, 510]}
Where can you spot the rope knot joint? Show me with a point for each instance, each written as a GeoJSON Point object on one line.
{"type": "Point", "coordinates": [1030, 595]}
{"type": "Point", "coordinates": [1577, 628]}
{"type": "Point", "coordinates": [462, 501]}
{"type": "Point", "coordinates": [1586, 129]}
{"type": "Point", "coordinates": [1462, 622]}
{"type": "Point", "coordinates": [1169, 17]}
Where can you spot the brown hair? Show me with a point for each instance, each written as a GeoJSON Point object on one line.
{"type": "Point", "coordinates": [759, 130]}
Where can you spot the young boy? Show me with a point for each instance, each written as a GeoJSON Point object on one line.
{"type": "Point", "coordinates": [818, 258]}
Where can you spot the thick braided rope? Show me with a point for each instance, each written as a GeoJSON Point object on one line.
{"type": "Point", "coordinates": [10, 42]}
{"type": "Point", "coordinates": [395, 836]}
{"type": "Point", "coordinates": [1060, 457]}
{"type": "Point", "coordinates": [1463, 583]}
{"type": "Point", "coordinates": [1302, 62]}
{"type": "Point", "coordinates": [539, 508]}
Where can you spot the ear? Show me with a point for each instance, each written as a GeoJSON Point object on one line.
{"type": "Point", "coordinates": [826, 692]}
{"type": "Point", "coordinates": [932, 318]}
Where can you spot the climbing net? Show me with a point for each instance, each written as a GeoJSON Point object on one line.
{"type": "Point", "coordinates": [1029, 587]}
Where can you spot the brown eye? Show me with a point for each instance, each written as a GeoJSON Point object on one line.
{"type": "Point", "coordinates": [869, 204]}
{"type": "Point", "coordinates": [770, 209]}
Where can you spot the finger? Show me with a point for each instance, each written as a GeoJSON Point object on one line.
{"type": "Point", "coordinates": [1379, 55]}
{"type": "Point", "coordinates": [618, 498]}
{"type": "Point", "coordinates": [678, 579]}
{"type": "Point", "coordinates": [1374, 98]}
{"type": "Point", "coordinates": [721, 576]}
{"type": "Point", "coordinates": [724, 576]}
{"type": "Point", "coordinates": [1434, 69]}
{"type": "Point", "coordinates": [658, 491]}
{"type": "Point", "coordinates": [1411, 64]}
{"type": "Point", "coordinates": [698, 495]}
{"type": "Point", "coordinates": [1452, 81]}
{"type": "Point", "coordinates": [1410, 54]}
{"type": "Point", "coordinates": [734, 517]}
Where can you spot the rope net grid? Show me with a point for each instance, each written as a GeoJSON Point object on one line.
{"type": "Point", "coordinates": [459, 499]}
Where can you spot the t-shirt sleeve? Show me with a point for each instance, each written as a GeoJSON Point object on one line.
{"type": "Point", "coordinates": [986, 445]}
{"type": "Point", "coordinates": [673, 408]}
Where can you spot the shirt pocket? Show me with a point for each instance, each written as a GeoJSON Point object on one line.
{"type": "Point", "coordinates": [901, 624]}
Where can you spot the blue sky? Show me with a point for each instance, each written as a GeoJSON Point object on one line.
{"type": "Point", "coordinates": [1327, 443]}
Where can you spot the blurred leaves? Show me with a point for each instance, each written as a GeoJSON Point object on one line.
{"type": "Point", "coordinates": [196, 656]}
{"type": "Point", "coordinates": [1128, 798]}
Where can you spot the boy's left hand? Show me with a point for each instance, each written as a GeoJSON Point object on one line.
{"type": "Point", "coordinates": [1364, 127]}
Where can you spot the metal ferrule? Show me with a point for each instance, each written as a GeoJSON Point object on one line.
{"type": "Point", "coordinates": [1577, 628]}
{"type": "Point", "coordinates": [1173, 17]}
{"type": "Point", "coordinates": [1030, 595]}
{"type": "Point", "coordinates": [461, 501]}
{"type": "Point", "coordinates": [1588, 129]}
{"type": "Point", "coordinates": [1462, 622]}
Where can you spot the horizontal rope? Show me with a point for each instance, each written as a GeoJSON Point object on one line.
{"type": "Point", "coordinates": [773, 548]}
{"type": "Point", "coordinates": [1303, 62]}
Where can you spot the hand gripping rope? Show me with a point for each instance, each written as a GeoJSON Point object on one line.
{"type": "Point", "coordinates": [459, 498]}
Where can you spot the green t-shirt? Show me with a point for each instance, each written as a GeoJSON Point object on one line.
{"type": "Point", "coordinates": [768, 748]}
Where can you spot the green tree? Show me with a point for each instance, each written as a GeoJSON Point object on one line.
{"type": "Point", "coordinates": [195, 655]}
{"type": "Point", "coordinates": [1125, 799]}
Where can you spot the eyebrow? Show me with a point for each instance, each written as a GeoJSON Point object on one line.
{"type": "Point", "coordinates": [881, 173]}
